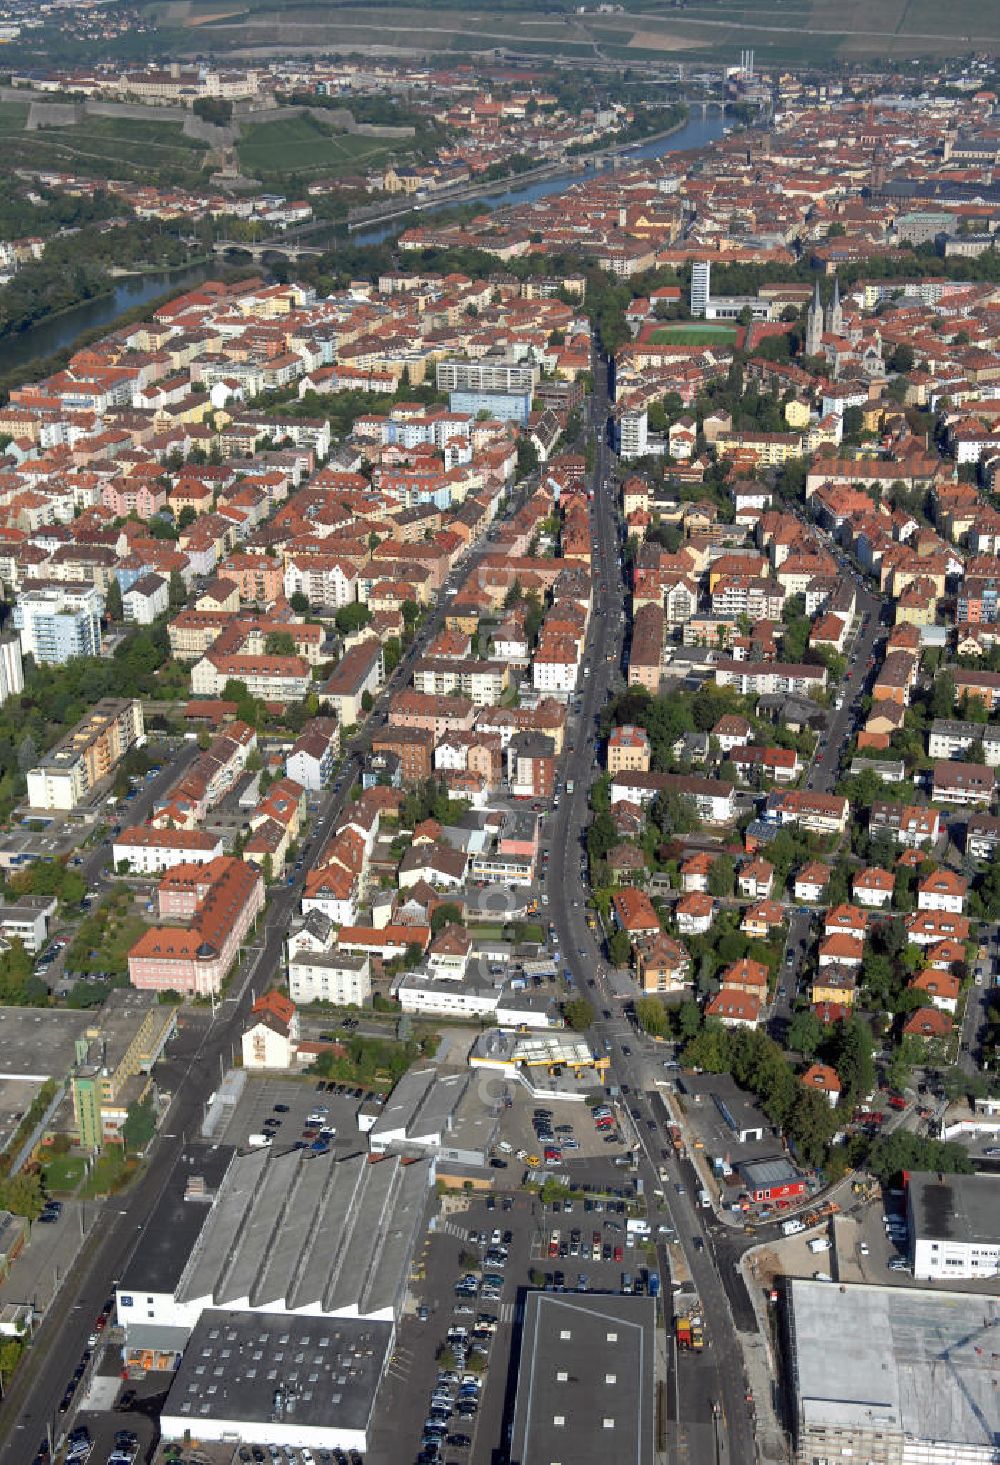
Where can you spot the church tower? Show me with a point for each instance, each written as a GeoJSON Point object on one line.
{"type": "Point", "coordinates": [835, 312]}
{"type": "Point", "coordinates": [814, 324]}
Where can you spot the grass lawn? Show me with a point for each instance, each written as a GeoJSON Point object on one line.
{"type": "Point", "coordinates": [110, 1174]}
{"type": "Point", "coordinates": [63, 1174]}
{"type": "Point", "coordinates": [528, 931]}
{"type": "Point", "coordinates": [783, 32]}
{"type": "Point", "coordinates": [296, 144]}
{"type": "Point", "coordinates": [685, 333]}
{"type": "Point", "coordinates": [13, 116]}
{"type": "Point", "coordinates": [107, 935]}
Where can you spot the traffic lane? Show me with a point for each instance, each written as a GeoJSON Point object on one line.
{"type": "Point", "coordinates": [796, 946]}
{"type": "Point", "coordinates": [30, 1404]}
{"type": "Point", "coordinates": [729, 1384]}
{"type": "Point", "coordinates": [93, 865]}
{"type": "Point", "coordinates": [721, 1375]}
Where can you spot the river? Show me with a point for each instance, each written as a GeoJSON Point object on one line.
{"type": "Point", "coordinates": [695, 133]}
{"type": "Point", "coordinates": [61, 331]}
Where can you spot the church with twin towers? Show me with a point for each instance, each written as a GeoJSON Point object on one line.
{"type": "Point", "coordinates": [820, 321]}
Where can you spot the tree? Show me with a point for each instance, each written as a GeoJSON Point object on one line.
{"type": "Point", "coordinates": [140, 1125]}
{"type": "Point", "coordinates": [527, 456]}
{"type": "Point", "coordinates": [721, 877]}
{"type": "Point", "coordinates": [853, 1058]}
{"type": "Point", "coordinates": [447, 914]}
{"type": "Point", "coordinates": [178, 590]}
{"type": "Point", "coordinates": [805, 1033]}
{"type": "Point", "coordinates": [942, 698]}
{"type": "Point", "coordinates": [351, 618]}
{"type": "Point", "coordinates": [709, 1049]}
{"type": "Point", "coordinates": [601, 836]}
{"type": "Point", "coordinates": [392, 654]}
{"type": "Point", "coordinates": [279, 643]}
{"type": "Point", "coordinates": [367, 701]}
{"type": "Point", "coordinates": [21, 1194]}
{"type": "Point", "coordinates": [113, 601]}
{"type": "Point", "coordinates": [299, 602]}
{"type": "Point", "coordinates": [688, 1019]}
{"type": "Point", "coordinates": [651, 1016]}
{"type": "Point", "coordinates": [27, 754]}
{"type": "Point", "coordinates": [811, 1125]}
{"type": "Point", "coordinates": [578, 1013]}
{"type": "Point", "coordinates": [619, 949]}
{"type": "Point", "coordinates": [854, 422]}
{"type": "Point", "coordinates": [186, 517]}
{"type": "Point", "coordinates": [904, 1150]}
{"type": "Point", "coordinates": [10, 1357]}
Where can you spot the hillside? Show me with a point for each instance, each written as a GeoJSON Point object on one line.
{"type": "Point", "coordinates": [780, 31]}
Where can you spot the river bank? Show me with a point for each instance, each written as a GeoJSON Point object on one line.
{"type": "Point", "coordinates": [572, 164]}
{"type": "Point", "coordinates": [61, 331]}
{"type": "Point", "coordinates": [58, 336]}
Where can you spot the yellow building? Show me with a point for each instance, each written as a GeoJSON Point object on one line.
{"type": "Point", "coordinates": [88, 753]}
{"type": "Point", "coordinates": [834, 984]}
{"type": "Point", "coordinates": [772, 448]}
{"type": "Point", "coordinates": [629, 750]}
{"type": "Point", "coordinates": [797, 414]}
{"type": "Point", "coordinates": [114, 1059]}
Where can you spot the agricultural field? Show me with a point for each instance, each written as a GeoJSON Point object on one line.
{"type": "Point", "coordinates": [780, 31]}
{"type": "Point", "coordinates": [694, 333]}
{"type": "Point", "coordinates": [300, 145]}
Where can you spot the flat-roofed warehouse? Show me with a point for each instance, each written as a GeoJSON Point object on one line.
{"type": "Point", "coordinates": [585, 1384]}
{"type": "Point", "coordinates": [893, 1375]}
{"type": "Point", "coordinates": [274, 1380]}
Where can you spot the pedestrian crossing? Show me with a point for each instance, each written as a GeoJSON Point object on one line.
{"type": "Point", "coordinates": [452, 1228]}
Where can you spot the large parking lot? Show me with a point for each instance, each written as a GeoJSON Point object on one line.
{"type": "Point", "coordinates": [508, 1238]}
{"type": "Point", "coordinates": [282, 1108]}
{"type": "Point", "coordinates": [570, 1120]}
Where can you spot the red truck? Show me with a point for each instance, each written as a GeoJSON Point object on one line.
{"type": "Point", "coordinates": [896, 1101]}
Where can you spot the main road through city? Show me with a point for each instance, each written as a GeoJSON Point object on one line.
{"type": "Point", "coordinates": [714, 1418]}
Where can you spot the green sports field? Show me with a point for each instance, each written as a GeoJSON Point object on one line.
{"type": "Point", "coordinates": [686, 333]}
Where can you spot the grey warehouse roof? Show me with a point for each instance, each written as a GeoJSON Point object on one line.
{"type": "Point", "coordinates": [895, 1358]}
{"type": "Point", "coordinates": [259, 1367]}
{"type": "Point", "coordinates": [963, 1208]}
{"type": "Point", "coordinates": [297, 1231]}
{"type": "Point", "coordinates": [585, 1384]}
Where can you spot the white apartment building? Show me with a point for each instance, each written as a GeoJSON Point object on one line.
{"type": "Point", "coordinates": [149, 851]}
{"type": "Point", "coordinates": [555, 671]}
{"type": "Point", "coordinates": [329, 976]}
{"type": "Point", "coordinates": [11, 667]}
{"type": "Point", "coordinates": [633, 432]}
